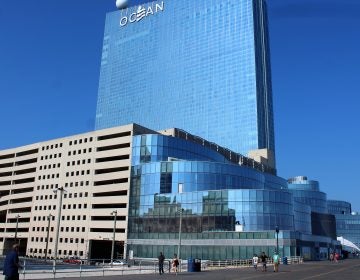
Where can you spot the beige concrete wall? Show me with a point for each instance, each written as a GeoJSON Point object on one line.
{"type": "Point", "coordinates": [263, 156]}
{"type": "Point", "coordinates": [28, 181]}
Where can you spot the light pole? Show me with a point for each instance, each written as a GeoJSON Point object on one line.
{"type": "Point", "coordinates": [47, 236]}
{"type": "Point", "coordinates": [16, 229]}
{"type": "Point", "coordinates": [155, 194]}
{"type": "Point", "coordinates": [61, 191]}
{"type": "Point", "coordinates": [277, 239]}
{"type": "Point", "coordinates": [180, 191]}
{"type": "Point", "coordinates": [180, 222]}
{"type": "Point", "coordinates": [113, 239]}
{"type": "Point", "coordinates": [86, 250]}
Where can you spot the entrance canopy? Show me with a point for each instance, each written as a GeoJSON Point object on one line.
{"type": "Point", "coordinates": [348, 243]}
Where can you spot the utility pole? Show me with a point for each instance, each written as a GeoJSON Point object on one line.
{"type": "Point", "coordinates": [60, 192]}
{"type": "Point", "coordinates": [113, 239]}
{"type": "Point", "coordinates": [16, 229]}
{"type": "Point", "coordinates": [180, 223]}
{"type": "Point", "coordinates": [277, 239]}
{"type": "Point", "coordinates": [47, 236]}
{"type": "Point", "coordinates": [180, 191]}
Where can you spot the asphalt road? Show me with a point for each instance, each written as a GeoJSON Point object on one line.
{"type": "Point", "coordinates": [345, 270]}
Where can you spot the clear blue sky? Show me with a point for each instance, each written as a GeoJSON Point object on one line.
{"type": "Point", "coordinates": [49, 70]}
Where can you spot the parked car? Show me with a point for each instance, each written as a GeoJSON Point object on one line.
{"type": "Point", "coordinates": [72, 260]}
{"type": "Point", "coordinates": [120, 262]}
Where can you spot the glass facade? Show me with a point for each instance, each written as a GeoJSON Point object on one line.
{"type": "Point", "coordinates": [348, 226]}
{"type": "Point", "coordinates": [230, 209]}
{"type": "Point", "coordinates": [302, 220]}
{"type": "Point", "coordinates": [169, 174]}
{"type": "Point", "coordinates": [347, 222]}
{"type": "Point", "coordinates": [214, 194]}
{"type": "Point", "coordinates": [308, 192]}
{"type": "Point", "coordinates": [338, 207]}
{"type": "Point", "coordinates": [219, 249]}
{"type": "Point", "coordinates": [198, 65]}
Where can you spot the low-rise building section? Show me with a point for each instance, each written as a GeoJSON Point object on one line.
{"type": "Point", "coordinates": [94, 170]}
{"type": "Point", "coordinates": [347, 224]}
{"type": "Point", "coordinates": [230, 206]}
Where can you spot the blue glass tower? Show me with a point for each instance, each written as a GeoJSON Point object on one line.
{"type": "Point", "coordinates": [202, 66]}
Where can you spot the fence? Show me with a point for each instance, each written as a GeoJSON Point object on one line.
{"type": "Point", "coordinates": [247, 262]}
{"type": "Point", "coordinates": [38, 268]}
{"type": "Point", "coordinates": [34, 268]}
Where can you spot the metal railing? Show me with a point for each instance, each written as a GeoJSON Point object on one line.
{"type": "Point", "coordinates": [37, 268]}
{"type": "Point", "coordinates": [295, 260]}
{"type": "Point", "coordinates": [247, 262]}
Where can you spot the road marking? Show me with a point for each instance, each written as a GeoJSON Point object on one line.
{"type": "Point", "coordinates": [326, 273]}
{"type": "Point", "coordinates": [270, 274]}
{"type": "Point", "coordinates": [263, 275]}
{"type": "Point", "coordinates": [255, 276]}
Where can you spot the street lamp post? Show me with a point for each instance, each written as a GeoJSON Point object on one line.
{"type": "Point", "coordinates": [47, 236]}
{"type": "Point", "coordinates": [180, 191]}
{"type": "Point", "coordinates": [180, 223]}
{"type": "Point", "coordinates": [16, 229]}
{"type": "Point", "coordinates": [155, 194]}
{"type": "Point", "coordinates": [86, 249]}
{"type": "Point", "coordinates": [113, 239]}
{"type": "Point", "coordinates": [277, 239]}
{"type": "Point", "coordinates": [61, 191]}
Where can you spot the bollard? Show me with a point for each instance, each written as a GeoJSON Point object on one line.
{"type": "Point", "coordinates": [24, 268]}
{"type": "Point", "coordinates": [54, 268]}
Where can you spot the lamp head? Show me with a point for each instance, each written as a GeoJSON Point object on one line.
{"type": "Point", "coordinates": [121, 4]}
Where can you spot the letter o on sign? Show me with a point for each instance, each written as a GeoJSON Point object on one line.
{"type": "Point", "coordinates": [123, 21]}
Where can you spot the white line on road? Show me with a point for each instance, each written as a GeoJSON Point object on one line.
{"type": "Point", "coordinates": [330, 272]}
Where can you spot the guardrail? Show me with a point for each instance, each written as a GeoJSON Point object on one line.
{"type": "Point", "coordinates": [248, 262]}
{"type": "Point", "coordinates": [37, 268]}
{"type": "Point", "coordinates": [295, 260]}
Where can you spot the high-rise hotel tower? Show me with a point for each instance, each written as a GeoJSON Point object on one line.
{"type": "Point", "coordinates": [199, 65]}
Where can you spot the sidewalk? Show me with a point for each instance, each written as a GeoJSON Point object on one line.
{"type": "Point", "coordinates": [347, 270]}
